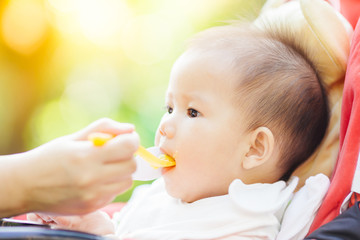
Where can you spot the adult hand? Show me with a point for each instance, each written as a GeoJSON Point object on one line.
{"type": "Point", "coordinates": [97, 222]}
{"type": "Point", "coordinates": [69, 175]}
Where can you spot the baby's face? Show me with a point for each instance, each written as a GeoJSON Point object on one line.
{"type": "Point", "coordinates": [202, 129]}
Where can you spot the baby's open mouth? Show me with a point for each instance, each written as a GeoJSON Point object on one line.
{"type": "Point", "coordinates": [167, 161]}
{"type": "Point", "coordinates": [156, 162]}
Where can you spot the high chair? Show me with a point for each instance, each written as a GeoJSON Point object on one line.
{"type": "Point", "coordinates": [345, 187]}
{"type": "Point", "coordinates": [329, 35]}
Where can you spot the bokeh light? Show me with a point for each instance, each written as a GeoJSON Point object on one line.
{"type": "Point", "coordinates": [147, 39]}
{"type": "Point", "coordinates": [24, 25]}
{"type": "Point", "coordinates": [94, 88]}
{"type": "Point", "coordinates": [63, 6]}
{"type": "Point", "coordinates": [101, 21]}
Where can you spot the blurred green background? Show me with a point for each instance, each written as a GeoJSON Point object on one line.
{"type": "Point", "coordinates": [66, 63]}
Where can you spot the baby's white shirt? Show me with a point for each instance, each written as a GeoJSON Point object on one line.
{"type": "Point", "coordinates": [247, 212]}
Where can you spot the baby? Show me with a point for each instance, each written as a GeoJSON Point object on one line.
{"type": "Point", "coordinates": [245, 107]}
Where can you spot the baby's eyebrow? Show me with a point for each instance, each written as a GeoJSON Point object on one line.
{"type": "Point", "coordinates": [189, 97]}
{"type": "Point", "coordinates": [197, 98]}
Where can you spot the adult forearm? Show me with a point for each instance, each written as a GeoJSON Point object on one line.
{"type": "Point", "coordinates": [11, 189]}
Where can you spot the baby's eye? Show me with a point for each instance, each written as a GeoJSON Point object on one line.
{"type": "Point", "coordinates": [192, 113]}
{"type": "Point", "coordinates": [169, 109]}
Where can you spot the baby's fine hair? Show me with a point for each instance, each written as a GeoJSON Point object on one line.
{"type": "Point", "coordinates": [278, 87]}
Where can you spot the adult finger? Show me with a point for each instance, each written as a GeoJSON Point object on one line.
{"type": "Point", "coordinates": [116, 172]}
{"type": "Point", "coordinates": [35, 218]}
{"type": "Point", "coordinates": [105, 125]}
{"type": "Point", "coordinates": [122, 147]}
{"type": "Point", "coordinates": [65, 221]}
{"type": "Point", "coordinates": [103, 194]}
{"type": "Point", "coordinates": [110, 191]}
{"type": "Point", "coordinates": [46, 219]}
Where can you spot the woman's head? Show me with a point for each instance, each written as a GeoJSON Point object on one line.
{"type": "Point", "coordinates": [241, 104]}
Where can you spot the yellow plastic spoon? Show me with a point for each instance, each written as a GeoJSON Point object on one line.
{"type": "Point", "coordinates": [162, 161]}
{"type": "Point", "coordinates": [99, 139]}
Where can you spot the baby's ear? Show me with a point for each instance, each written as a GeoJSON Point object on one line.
{"type": "Point", "coordinates": [261, 148]}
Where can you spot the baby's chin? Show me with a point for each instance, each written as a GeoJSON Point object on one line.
{"type": "Point", "coordinates": [184, 196]}
{"type": "Point", "coordinates": [188, 195]}
{"type": "Point", "coordinates": [172, 190]}
{"type": "Point", "coordinates": [185, 199]}
{"type": "Point", "coordinates": [177, 186]}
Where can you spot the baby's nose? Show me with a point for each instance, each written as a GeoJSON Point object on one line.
{"type": "Point", "coordinates": [167, 130]}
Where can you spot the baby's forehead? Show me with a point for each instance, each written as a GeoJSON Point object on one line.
{"type": "Point", "coordinates": [233, 52]}
{"type": "Point", "coordinates": [214, 57]}
{"type": "Point", "coordinates": [212, 63]}
{"type": "Point", "coordinates": [204, 71]}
